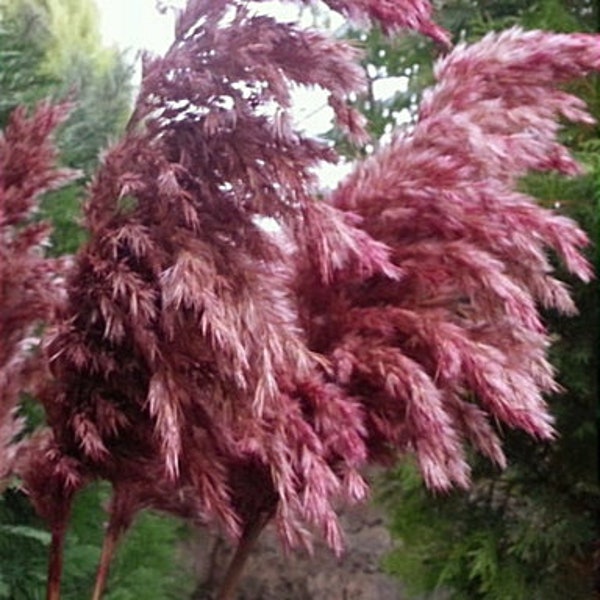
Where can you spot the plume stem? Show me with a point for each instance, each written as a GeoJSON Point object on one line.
{"type": "Point", "coordinates": [109, 545]}
{"type": "Point", "coordinates": [55, 562]}
{"type": "Point", "coordinates": [245, 546]}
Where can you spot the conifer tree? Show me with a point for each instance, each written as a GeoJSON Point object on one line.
{"type": "Point", "coordinates": [212, 369]}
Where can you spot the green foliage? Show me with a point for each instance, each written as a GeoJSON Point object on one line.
{"type": "Point", "coordinates": [53, 49]}
{"type": "Point", "coordinates": [21, 81]}
{"type": "Point", "coordinates": [62, 208]}
{"type": "Point", "coordinates": [511, 538]}
{"type": "Point", "coordinates": [157, 574]}
{"type": "Point", "coordinates": [23, 549]}
{"type": "Point", "coordinates": [146, 565]}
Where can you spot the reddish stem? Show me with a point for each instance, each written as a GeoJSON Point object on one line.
{"type": "Point", "coordinates": [109, 545]}
{"type": "Point", "coordinates": [55, 563]}
{"type": "Point", "coordinates": [236, 566]}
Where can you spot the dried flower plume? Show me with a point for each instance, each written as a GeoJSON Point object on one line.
{"type": "Point", "coordinates": [459, 339]}
{"type": "Point", "coordinates": [29, 286]}
{"type": "Point", "coordinates": [222, 359]}
{"type": "Point", "coordinates": [212, 368]}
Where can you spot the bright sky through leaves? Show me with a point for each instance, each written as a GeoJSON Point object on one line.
{"type": "Point", "coordinates": [148, 25]}
{"type": "Point", "coordinates": [140, 25]}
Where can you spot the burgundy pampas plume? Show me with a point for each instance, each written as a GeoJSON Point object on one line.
{"type": "Point", "coordinates": [457, 343]}
{"type": "Point", "coordinates": [235, 377]}
{"type": "Point", "coordinates": [182, 370]}
{"type": "Point", "coordinates": [29, 282]}
{"type": "Point", "coordinates": [392, 15]}
{"type": "Point", "coordinates": [30, 293]}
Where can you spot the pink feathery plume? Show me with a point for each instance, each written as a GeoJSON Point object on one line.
{"type": "Point", "coordinates": [392, 15]}
{"type": "Point", "coordinates": [213, 369]}
{"type": "Point", "coordinates": [180, 351]}
{"type": "Point", "coordinates": [458, 342]}
{"type": "Point", "coordinates": [29, 282]}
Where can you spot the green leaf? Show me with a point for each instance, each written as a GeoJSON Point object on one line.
{"type": "Point", "coordinates": [24, 531]}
